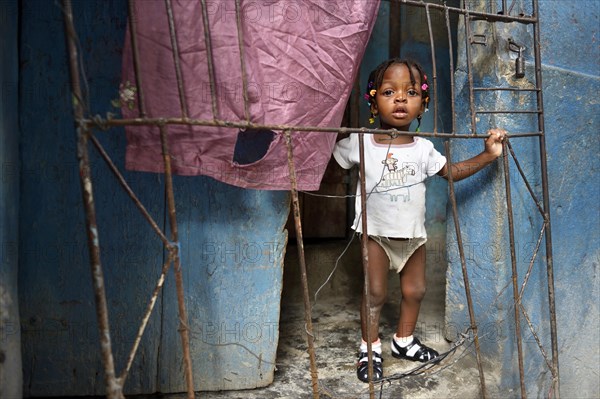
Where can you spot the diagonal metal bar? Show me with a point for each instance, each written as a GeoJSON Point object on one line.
{"type": "Point", "coordinates": [114, 387]}
{"type": "Point", "coordinates": [535, 336]}
{"type": "Point", "coordinates": [534, 256]}
{"type": "Point", "coordinates": [146, 317]}
{"type": "Point", "coordinates": [465, 272]}
{"type": "Point", "coordinates": [513, 259]}
{"type": "Point", "coordinates": [529, 188]}
{"type": "Point", "coordinates": [302, 262]}
{"type": "Point", "coordinates": [113, 168]}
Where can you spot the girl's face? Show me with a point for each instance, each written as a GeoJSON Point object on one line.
{"type": "Point", "coordinates": [397, 101]}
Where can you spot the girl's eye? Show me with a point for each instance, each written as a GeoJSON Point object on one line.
{"type": "Point", "coordinates": [388, 92]}
{"type": "Point", "coordinates": [412, 92]}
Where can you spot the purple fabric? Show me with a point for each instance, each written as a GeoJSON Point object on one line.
{"type": "Point", "coordinates": [301, 58]}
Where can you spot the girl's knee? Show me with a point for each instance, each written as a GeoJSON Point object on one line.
{"type": "Point", "coordinates": [377, 298]}
{"type": "Point", "coordinates": [414, 292]}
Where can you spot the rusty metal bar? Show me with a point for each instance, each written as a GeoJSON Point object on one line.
{"type": "Point", "coordinates": [128, 190]}
{"type": "Point", "coordinates": [490, 17]}
{"type": "Point", "coordinates": [395, 33]}
{"type": "Point", "coordinates": [518, 89]}
{"type": "Point", "coordinates": [104, 123]}
{"type": "Point", "coordinates": [451, 74]}
{"type": "Point", "coordinates": [114, 387]}
{"type": "Point", "coordinates": [174, 252]}
{"type": "Point", "coordinates": [238, 20]}
{"type": "Point", "coordinates": [513, 259]}
{"type": "Point", "coordinates": [136, 57]}
{"type": "Point", "coordinates": [465, 272]}
{"type": "Point", "coordinates": [546, 199]}
{"type": "Point", "coordinates": [468, 43]}
{"type": "Point", "coordinates": [507, 111]}
{"type": "Point", "coordinates": [531, 262]}
{"type": "Point", "coordinates": [529, 188]}
{"type": "Point", "coordinates": [209, 58]}
{"type": "Point", "coordinates": [146, 317]}
{"type": "Point", "coordinates": [365, 261]}
{"type": "Point", "coordinates": [433, 69]}
{"type": "Point", "coordinates": [302, 262]}
{"type": "Point", "coordinates": [176, 61]}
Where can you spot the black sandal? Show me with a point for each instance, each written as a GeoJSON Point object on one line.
{"type": "Point", "coordinates": [423, 354]}
{"type": "Point", "coordinates": [362, 367]}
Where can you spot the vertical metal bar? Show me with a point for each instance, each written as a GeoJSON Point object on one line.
{"type": "Point", "coordinates": [465, 272]}
{"type": "Point", "coordinates": [546, 199]}
{"type": "Point", "coordinates": [238, 19]}
{"type": "Point", "coordinates": [174, 45]}
{"type": "Point", "coordinates": [470, 72]}
{"type": "Point", "coordinates": [302, 261]}
{"type": "Point", "coordinates": [114, 387]}
{"type": "Point", "coordinates": [433, 70]}
{"type": "Point", "coordinates": [209, 58]}
{"type": "Point", "coordinates": [174, 252]}
{"type": "Point", "coordinates": [395, 32]}
{"type": "Point", "coordinates": [136, 58]}
{"type": "Point", "coordinates": [365, 260]}
{"type": "Point", "coordinates": [451, 56]}
{"type": "Point", "coordinates": [513, 261]}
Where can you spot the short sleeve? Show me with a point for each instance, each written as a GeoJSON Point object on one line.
{"type": "Point", "coordinates": [345, 152]}
{"type": "Point", "coordinates": [435, 160]}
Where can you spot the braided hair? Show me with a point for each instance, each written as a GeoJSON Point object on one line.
{"type": "Point", "coordinates": [376, 78]}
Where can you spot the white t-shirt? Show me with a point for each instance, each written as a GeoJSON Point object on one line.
{"type": "Point", "coordinates": [395, 187]}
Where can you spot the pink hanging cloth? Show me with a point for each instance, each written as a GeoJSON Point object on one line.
{"type": "Point", "coordinates": [300, 60]}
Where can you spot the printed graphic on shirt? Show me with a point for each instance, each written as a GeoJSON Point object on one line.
{"type": "Point", "coordinates": [396, 179]}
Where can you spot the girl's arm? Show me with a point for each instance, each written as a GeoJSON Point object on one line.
{"type": "Point", "coordinates": [493, 149]}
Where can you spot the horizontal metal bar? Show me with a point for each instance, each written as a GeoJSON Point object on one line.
{"type": "Point", "coordinates": [503, 89]}
{"type": "Point", "coordinates": [105, 124]}
{"type": "Point", "coordinates": [475, 15]}
{"type": "Point", "coordinates": [506, 111]}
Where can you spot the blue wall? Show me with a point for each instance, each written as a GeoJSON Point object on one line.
{"type": "Point", "coordinates": [570, 83]}
{"type": "Point", "coordinates": [232, 240]}
{"type": "Point", "coordinates": [10, 341]}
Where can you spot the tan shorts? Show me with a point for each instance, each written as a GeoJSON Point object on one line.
{"type": "Point", "coordinates": [399, 250]}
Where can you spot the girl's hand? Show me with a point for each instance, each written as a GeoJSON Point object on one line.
{"type": "Point", "coordinates": [493, 144]}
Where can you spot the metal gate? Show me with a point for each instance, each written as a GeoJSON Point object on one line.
{"type": "Point", "coordinates": [472, 15]}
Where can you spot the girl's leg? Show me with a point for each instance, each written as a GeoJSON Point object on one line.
{"type": "Point", "coordinates": [378, 281]}
{"type": "Point", "coordinates": [413, 285]}
{"type": "Point", "coordinates": [378, 272]}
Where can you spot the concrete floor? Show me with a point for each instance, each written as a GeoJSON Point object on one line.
{"type": "Point", "coordinates": [336, 328]}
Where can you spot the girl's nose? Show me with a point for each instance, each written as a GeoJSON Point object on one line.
{"type": "Point", "coordinates": [400, 97]}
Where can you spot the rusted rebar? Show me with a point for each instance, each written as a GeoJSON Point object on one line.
{"type": "Point", "coordinates": [546, 199]}
{"type": "Point", "coordinates": [173, 250]}
{"type": "Point", "coordinates": [302, 262]}
{"type": "Point", "coordinates": [365, 261]}
{"type": "Point", "coordinates": [513, 261]}
{"type": "Point", "coordinates": [465, 273]}
{"type": "Point", "coordinates": [114, 387]}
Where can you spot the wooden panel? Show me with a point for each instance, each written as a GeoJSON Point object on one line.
{"type": "Point", "coordinates": [61, 350]}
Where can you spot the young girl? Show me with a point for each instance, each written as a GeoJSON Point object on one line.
{"type": "Point", "coordinates": [395, 169]}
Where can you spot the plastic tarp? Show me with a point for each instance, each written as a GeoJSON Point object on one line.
{"type": "Point", "coordinates": [300, 60]}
